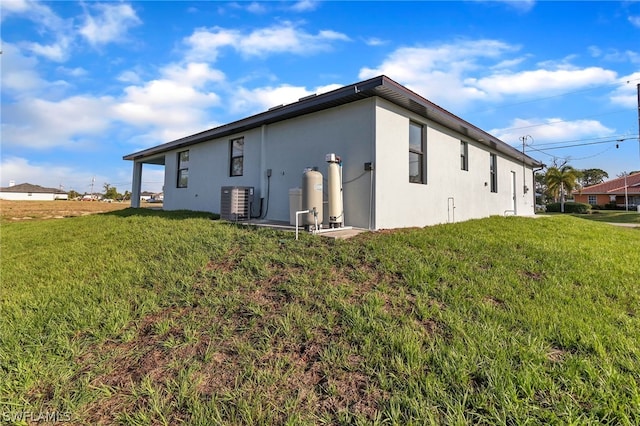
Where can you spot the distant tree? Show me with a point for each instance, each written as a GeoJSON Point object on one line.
{"type": "Point", "coordinates": [73, 194]}
{"type": "Point", "coordinates": [126, 196]}
{"type": "Point", "coordinates": [561, 180]}
{"type": "Point", "coordinates": [542, 195]}
{"type": "Point", "coordinates": [592, 177]}
{"type": "Point", "coordinates": [112, 193]}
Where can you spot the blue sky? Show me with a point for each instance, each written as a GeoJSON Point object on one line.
{"type": "Point", "coordinates": [84, 83]}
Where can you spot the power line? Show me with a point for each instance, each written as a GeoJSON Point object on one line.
{"type": "Point", "coordinates": [609, 138]}
{"type": "Point", "coordinates": [585, 144]}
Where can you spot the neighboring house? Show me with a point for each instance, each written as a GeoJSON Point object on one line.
{"type": "Point", "coordinates": [27, 191]}
{"type": "Point", "coordinates": [611, 192]}
{"type": "Point", "coordinates": [146, 195]}
{"type": "Point", "coordinates": [406, 161]}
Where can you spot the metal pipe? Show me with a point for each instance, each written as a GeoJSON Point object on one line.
{"type": "Point", "coordinates": [298, 213]}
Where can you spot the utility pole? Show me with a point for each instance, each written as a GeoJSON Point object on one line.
{"type": "Point", "coordinates": [525, 189]}
{"type": "Point", "coordinates": [93, 180]}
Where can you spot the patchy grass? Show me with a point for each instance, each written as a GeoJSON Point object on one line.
{"type": "Point", "coordinates": [145, 317]}
{"type": "Point", "coordinates": [11, 211]}
{"type": "Point", "coordinates": [613, 216]}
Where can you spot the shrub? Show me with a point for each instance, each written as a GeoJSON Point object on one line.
{"type": "Point", "coordinates": [569, 207]}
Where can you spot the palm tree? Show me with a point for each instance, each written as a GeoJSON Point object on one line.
{"type": "Point", "coordinates": [561, 180]}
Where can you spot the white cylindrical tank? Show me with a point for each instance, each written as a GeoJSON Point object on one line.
{"type": "Point", "coordinates": [312, 197]}
{"type": "Point", "coordinates": [334, 183]}
{"type": "Point", "coordinates": [295, 204]}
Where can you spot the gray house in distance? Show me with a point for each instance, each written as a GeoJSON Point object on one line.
{"type": "Point", "coordinates": [405, 161]}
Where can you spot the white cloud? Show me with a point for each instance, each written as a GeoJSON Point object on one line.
{"type": "Point", "coordinates": [19, 71]}
{"type": "Point", "coordinates": [58, 51]}
{"type": "Point", "coordinates": [255, 7]}
{"type": "Point", "coordinates": [129, 76]}
{"type": "Point", "coordinates": [34, 11]}
{"type": "Point", "coordinates": [615, 55]}
{"type": "Point", "coordinates": [205, 44]}
{"type": "Point", "coordinates": [635, 21]}
{"type": "Point", "coordinates": [110, 24]}
{"type": "Point", "coordinates": [74, 72]}
{"type": "Point", "coordinates": [251, 101]}
{"type": "Point", "coordinates": [48, 23]}
{"type": "Point", "coordinates": [21, 170]}
{"type": "Point", "coordinates": [522, 6]}
{"type": "Point", "coordinates": [542, 80]}
{"type": "Point", "coordinates": [194, 73]}
{"type": "Point", "coordinates": [437, 72]}
{"type": "Point", "coordinates": [304, 6]}
{"type": "Point", "coordinates": [375, 41]}
{"type": "Point", "coordinates": [457, 74]}
{"type": "Point", "coordinates": [41, 124]}
{"type": "Point", "coordinates": [262, 98]}
{"type": "Point", "coordinates": [551, 129]}
{"type": "Point", "coordinates": [171, 106]}
{"type": "Point", "coordinates": [626, 94]}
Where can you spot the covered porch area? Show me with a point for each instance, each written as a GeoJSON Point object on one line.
{"type": "Point", "coordinates": [137, 180]}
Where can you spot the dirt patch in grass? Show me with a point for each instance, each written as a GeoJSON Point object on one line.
{"type": "Point", "coordinates": [494, 301]}
{"type": "Point", "coordinates": [13, 211]}
{"type": "Point", "coordinates": [535, 276]}
{"type": "Point", "coordinates": [240, 348]}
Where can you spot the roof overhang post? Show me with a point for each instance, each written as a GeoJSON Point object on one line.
{"type": "Point", "coordinates": [136, 184]}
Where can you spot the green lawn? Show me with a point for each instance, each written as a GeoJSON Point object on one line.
{"type": "Point", "coordinates": [613, 216]}
{"type": "Point", "coordinates": [144, 317]}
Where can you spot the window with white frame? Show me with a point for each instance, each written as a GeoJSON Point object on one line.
{"type": "Point", "coordinates": [593, 200]}
{"type": "Point", "coordinates": [417, 163]}
{"type": "Point", "coordinates": [183, 169]}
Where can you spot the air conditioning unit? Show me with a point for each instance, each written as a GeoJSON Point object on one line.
{"type": "Point", "coordinates": [235, 202]}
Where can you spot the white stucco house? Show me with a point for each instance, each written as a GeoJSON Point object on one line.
{"type": "Point", "coordinates": [30, 192]}
{"type": "Point", "coordinates": [406, 161]}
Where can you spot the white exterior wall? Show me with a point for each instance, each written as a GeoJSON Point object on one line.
{"type": "Point", "coordinates": [400, 203]}
{"type": "Point", "coordinates": [371, 130]}
{"type": "Point", "coordinates": [304, 141]}
{"type": "Point", "coordinates": [289, 147]}
{"type": "Point", "coordinates": [35, 196]}
{"type": "Point", "coordinates": [209, 171]}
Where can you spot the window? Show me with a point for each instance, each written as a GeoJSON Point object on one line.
{"type": "Point", "coordinates": [236, 166]}
{"type": "Point", "coordinates": [464, 155]}
{"type": "Point", "coordinates": [593, 200]}
{"type": "Point", "coordinates": [493, 169]}
{"type": "Point", "coordinates": [183, 169]}
{"type": "Point", "coordinates": [417, 165]}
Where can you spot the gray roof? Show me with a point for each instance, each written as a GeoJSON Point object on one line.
{"type": "Point", "coordinates": [28, 187]}
{"type": "Point", "coordinates": [381, 86]}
